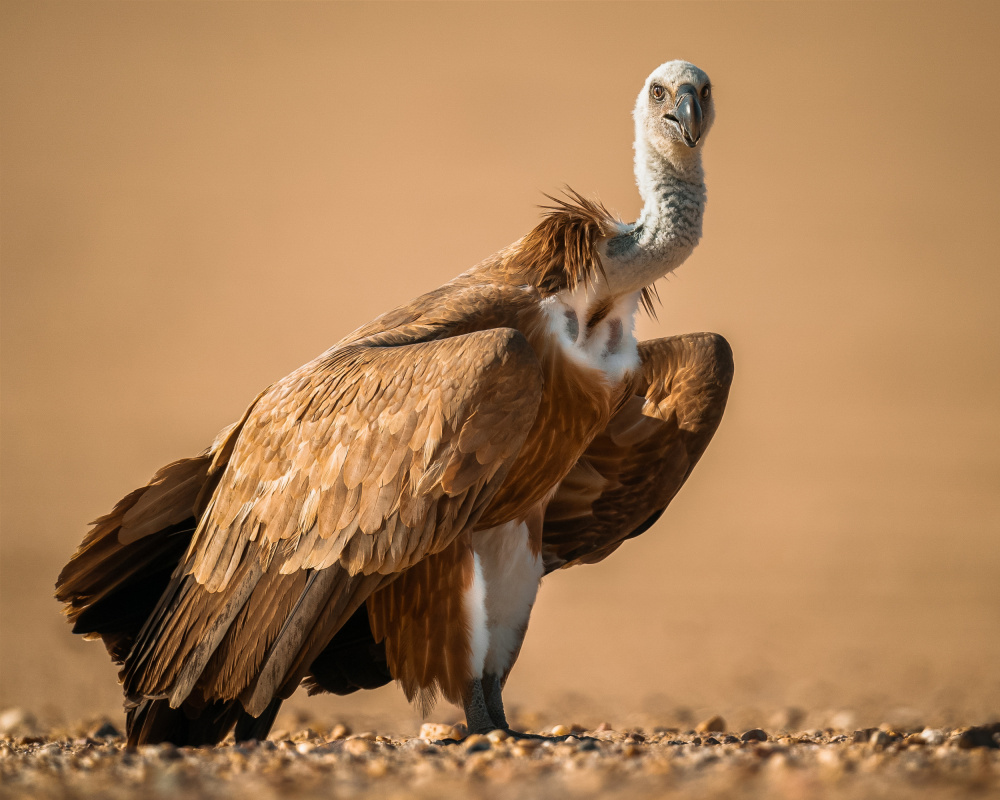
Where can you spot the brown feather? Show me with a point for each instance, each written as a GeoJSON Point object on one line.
{"type": "Point", "coordinates": [422, 618]}
{"type": "Point", "coordinates": [633, 469]}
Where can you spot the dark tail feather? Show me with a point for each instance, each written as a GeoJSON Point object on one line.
{"type": "Point", "coordinates": [249, 727]}
{"type": "Point", "coordinates": [154, 721]}
{"type": "Point", "coordinates": [353, 660]}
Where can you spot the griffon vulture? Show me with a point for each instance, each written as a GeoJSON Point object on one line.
{"type": "Point", "coordinates": [388, 510]}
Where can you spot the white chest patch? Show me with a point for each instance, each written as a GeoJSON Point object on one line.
{"type": "Point", "coordinates": [606, 344]}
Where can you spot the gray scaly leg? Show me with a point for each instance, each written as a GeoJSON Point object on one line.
{"type": "Point", "coordinates": [492, 694]}
{"type": "Point", "coordinates": [477, 717]}
{"type": "Point", "coordinates": [492, 690]}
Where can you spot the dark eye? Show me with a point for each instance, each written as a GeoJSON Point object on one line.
{"type": "Point", "coordinates": [657, 91]}
{"type": "Point", "coordinates": [706, 92]}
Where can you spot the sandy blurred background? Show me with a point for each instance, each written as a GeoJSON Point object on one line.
{"type": "Point", "coordinates": [198, 198]}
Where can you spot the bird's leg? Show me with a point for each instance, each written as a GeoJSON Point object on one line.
{"type": "Point", "coordinates": [477, 716]}
{"type": "Point", "coordinates": [492, 690]}
{"type": "Point", "coordinates": [492, 694]}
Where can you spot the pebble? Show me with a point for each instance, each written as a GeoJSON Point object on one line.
{"type": "Point", "coordinates": [863, 735]}
{"type": "Point", "coordinates": [106, 731]}
{"type": "Point", "coordinates": [358, 747]}
{"type": "Point", "coordinates": [17, 721]}
{"type": "Point", "coordinates": [980, 736]}
{"type": "Point", "coordinates": [476, 742]}
{"type": "Point", "coordinates": [931, 736]}
{"type": "Point", "coordinates": [880, 740]}
{"type": "Point", "coordinates": [755, 735]}
{"type": "Point", "coordinates": [437, 731]}
{"type": "Point", "coordinates": [498, 736]}
{"type": "Point", "coordinates": [843, 720]}
{"type": "Point", "coordinates": [714, 724]}
{"type": "Point", "coordinates": [340, 731]}
{"type": "Point", "coordinates": [559, 730]}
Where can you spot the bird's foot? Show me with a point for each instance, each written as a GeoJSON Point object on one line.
{"type": "Point", "coordinates": [524, 735]}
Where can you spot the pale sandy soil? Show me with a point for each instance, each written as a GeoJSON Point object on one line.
{"type": "Point", "coordinates": [90, 760]}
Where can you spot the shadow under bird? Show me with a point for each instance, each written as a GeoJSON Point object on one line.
{"type": "Point", "coordinates": [387, 511]}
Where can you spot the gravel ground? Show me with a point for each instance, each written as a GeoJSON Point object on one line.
{"type": "Point", "coordinates": [91, 760]}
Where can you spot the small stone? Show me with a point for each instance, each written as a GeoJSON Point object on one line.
{"type": "Point", "coordinates": [304, 748]}
{"type": "Point", "coordinates": [497, 736]}
{"type": "Point", "coordinates": [106, 731]}
{"type": "Point", "coordinates": [602, 727]}
{"type": "Point", "coordinates": [931, 736]}
{"type": "Point", "coordinates": [17, 721]}
{"type": "Point", "coordinates": [559, 730]}
{"type": "Point", "coordinates": [842, 720]}
{"type": "Point", "coordinates": [863, 735]}
{"type": "Point", "coordinates": [730, 739]}
{"type": "Point", "coordinates": [711, 741]}
{"type": "Point", "coordinates": [880, 740]}
{"type": "Point", "coordinates": [714, 724]}
{"type": "Point", "coordinates": [980, 736]}
{"type": "Point", "coordinates": [635, 738]}
{"type": "Point", "coordinates": [754, 735]}
{"type": "Point", "coordinates": [358, 747]}
{"type": "Point", "coordinates": [438, 731]}
{"type": "Point", "coordinates": [476, 742]}
{"type": "Point", "coordinates": [340, 731]}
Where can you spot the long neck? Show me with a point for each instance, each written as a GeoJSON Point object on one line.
{"type": "Point", "coordinates": [669, 226]}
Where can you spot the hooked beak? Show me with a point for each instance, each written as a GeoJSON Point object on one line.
{"type": "Point", "coordinates": [687, 114]}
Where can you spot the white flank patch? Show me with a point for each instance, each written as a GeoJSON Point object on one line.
{"type": "Point", "coordinates": [512, 574]}
{"type": "Point", "coordinates": [475, 611]}
{"type": "Point", "coordinates": [610, 346]}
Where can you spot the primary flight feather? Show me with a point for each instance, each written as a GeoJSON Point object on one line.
{"type": "Point", "coordinates": [388, 510]}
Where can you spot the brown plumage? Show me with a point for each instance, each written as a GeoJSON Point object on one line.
{"type": "Point", "coordinates": [387, 509]}
{"type": "Point", "coordinates": [634, 467]}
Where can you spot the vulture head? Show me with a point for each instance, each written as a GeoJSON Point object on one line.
{"type": "Point", "coordinates": [672, 114]}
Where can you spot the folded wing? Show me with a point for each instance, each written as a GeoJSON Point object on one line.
{"type": "Point", "coordinates": [632, 470]}
{"type": "Point", "coordinates": [345, 473]}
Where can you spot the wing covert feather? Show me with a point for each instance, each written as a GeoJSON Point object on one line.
{"type": "Point", "coordinates": [403, 428]}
